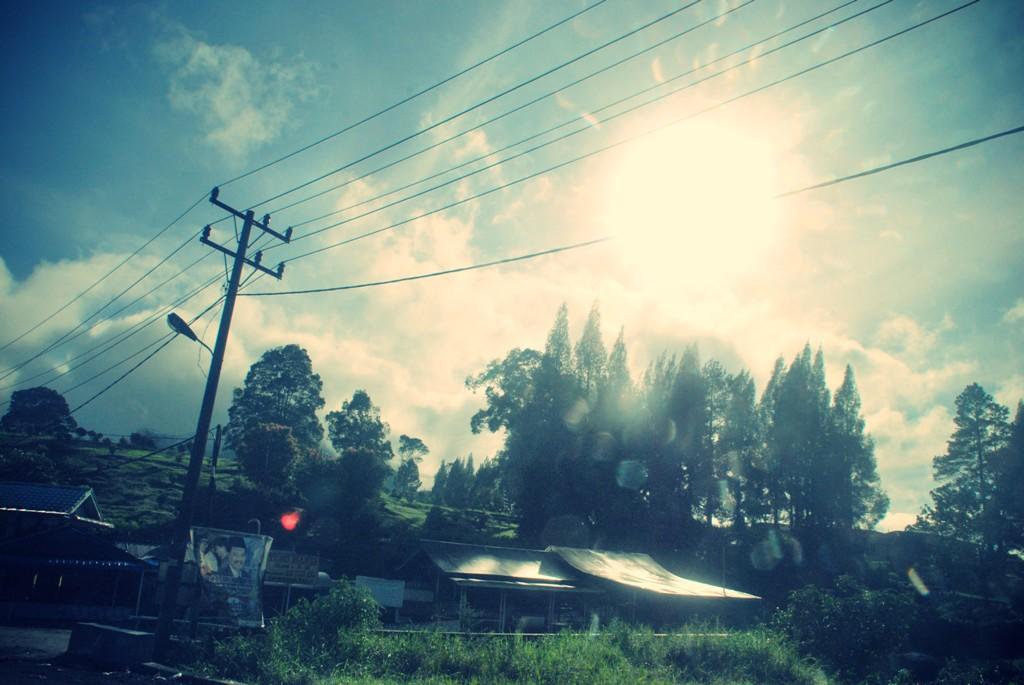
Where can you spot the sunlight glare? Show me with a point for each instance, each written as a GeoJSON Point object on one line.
{"type": "Point", "coordinates": [693, 204]}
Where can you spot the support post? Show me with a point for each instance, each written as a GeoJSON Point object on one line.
{"type": "Point", "coordinates": [180, 535]}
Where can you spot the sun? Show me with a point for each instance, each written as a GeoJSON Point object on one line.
{"type": "Point", "coordinates": [693, 204]}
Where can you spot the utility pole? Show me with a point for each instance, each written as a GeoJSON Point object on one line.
{"type": "Point", "coordinates": [213, 473]}
{"type": "Point", "coordinates": [180, 535]}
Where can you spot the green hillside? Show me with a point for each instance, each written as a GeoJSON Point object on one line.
{"type": "Point", "coordinates": [139, 492]}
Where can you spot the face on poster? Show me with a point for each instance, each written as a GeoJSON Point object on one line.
{"type": "Point", "coordinates": [231, 566]}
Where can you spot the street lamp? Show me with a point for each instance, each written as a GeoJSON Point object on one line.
{"type": "Point", "coordinates": [179, 326]}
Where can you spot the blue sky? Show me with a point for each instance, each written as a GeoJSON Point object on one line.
{"type": "Point", "coordinates": [119, 116]}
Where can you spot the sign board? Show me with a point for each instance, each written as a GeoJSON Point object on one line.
{"type": "Point", "coordinates": [231, 568]}
{"type": "Point", "coordinates": [292, 568]}
{"type": "Point", "coordinates": [387, 593]}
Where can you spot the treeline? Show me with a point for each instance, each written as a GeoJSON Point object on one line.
{"type": "Point", "coordinates": [459, 485]}
{"type": "Point", "coordinates": [594, 455]}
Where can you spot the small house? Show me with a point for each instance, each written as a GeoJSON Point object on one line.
{"type": "Point", "coordinates": [56, 558]}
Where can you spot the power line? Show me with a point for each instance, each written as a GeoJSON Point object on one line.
{"type": "Point", "coordinates": [117, 339]}
{"type": "Point", "coordinates": [568, 121]}
{"type": "Point", "coordinates": [74, 332]}
{"type": "Point", "coordinates": [107, 467]}
{"type": "Point", "coordinates": [577, 58]}
{"type": "Point", "coordinates": [630, 139]}
{"type": "Point", "coordinates": [152, 320]}
{"type": "Point", "coordinates": [507, 113]}
{"type": "Point", "coordinates": [167, 341]}
{"type": "Point", "coordinates": [903, 162]}
{"type": "Point", "coordinates": [508, 260]}
{"type": "Point", "coordinates": [201, 198]}
{"type": "Point", "coordinates": [588, 126]}
{"type": "Point", "coordinates": [476, 106]}
{"type": "Point", "coordinates": [424, 91]}
{"type": "Point", "coordinates": [105, 276]}
{"type": "Point", "coordinates": [434, 274]}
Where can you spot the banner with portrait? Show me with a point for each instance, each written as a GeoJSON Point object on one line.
{"type": "Point", "coordinates": [231, 567]}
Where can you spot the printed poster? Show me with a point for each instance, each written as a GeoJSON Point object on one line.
{"type": "Point", "coordinates": [231, 568]}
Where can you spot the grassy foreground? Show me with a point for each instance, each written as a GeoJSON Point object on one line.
{"type": "Point", "coordinates": [333, 641]}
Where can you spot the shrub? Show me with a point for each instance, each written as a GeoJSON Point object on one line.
{"type": "Point", "coordinates": [852, 630]}
{"type": "Point", "coordinates": [310, 640]}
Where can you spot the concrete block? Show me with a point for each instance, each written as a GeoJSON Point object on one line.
{"type": "Point", "coordinates": [111, 645]}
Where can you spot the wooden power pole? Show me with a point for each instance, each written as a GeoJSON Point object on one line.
{"type": "Point", "coordinates": [180, 534]}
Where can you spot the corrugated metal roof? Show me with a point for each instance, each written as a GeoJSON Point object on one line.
{"type": "Point", "coordinates": [56, 499]}
{"type": "Point", "coordinates": [522, 585]}
{"type": "Point", "coordinates": [640, 571]}
{"type": "Point", "coordinates": [502, 562]}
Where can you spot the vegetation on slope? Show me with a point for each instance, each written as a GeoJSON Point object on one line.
{"type": "Point", "coordinates": [334, 640]}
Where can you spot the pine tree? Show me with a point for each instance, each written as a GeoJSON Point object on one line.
{"type": "Point", "coordinates": [857, 497]}
{"type": "Point", "coordinates": [590, 356]}
{"type": "Point", "coordinates": [774, 491]}
{"type": "Point", "coordinates": [716, 402]}
{"type": "Point", "coordinates": [440, 484]}
{"type": "Point", "coordinates": [1010, 475]}
{"type": "Point", "coordinates": [796, 437]}
{"type": "Point", "coordinates": [619, 382]}
{"type": "Point", "coordinates": [543, 440]}
{"type": "Point", "coordinates": [966, 473]}
{"type": "Point", "coordinates": [740, 443]}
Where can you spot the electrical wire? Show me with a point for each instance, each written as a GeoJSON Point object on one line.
{"type": "Point", "coordinates": [65, 337]}
{"type": "Point", "coordinates": [476, 106]}
{"type": "Point", "coordinates": [566, 122]}
{"type": "Point", "coordinates": [166, 341]}
{"type": "Point", "coordinates": [633, 138]}
{"type": "Point", "coordinates": [116, 340]}
{"type": "Point", "coordinates": [104, 276]}
{"type": "Point", "coordinates": [903, 162]}
{"type": "Point", "coordinates": [134, 460]}
{"type": "Point", "coordinates": [565, 248]}
{"type": "Point", "coordinates": [507, 113]}
{"type": "Point", "coordinates": [417, 94]}
{"type": "Point", "coordinates": [872, 44]}
{"type": "Point", "coordinates": [169, 338]}
{"type": "Point", "coordinates": [292, 154]}
{"type": "Point", "coordinates": [434, 274]}
{"type": "Point", "coordinates": [75, 332]}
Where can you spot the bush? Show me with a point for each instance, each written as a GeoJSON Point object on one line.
{"type": "Point", "coordinates": [852, 630]}
{"type": "Point", "coordinates": [32, 465]}
{"type": "Point", "coordinates": [305, 643]}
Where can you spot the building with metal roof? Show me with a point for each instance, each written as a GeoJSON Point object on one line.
{"type": "Point", "coordinates": [481, 587]}
{"type": "Point", "coordinates": [56, 558]}
{"type": "Point", "coordinates": [69, 501]}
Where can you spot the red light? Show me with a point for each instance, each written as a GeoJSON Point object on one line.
{"type": "Point", "coordinates": [290, 520]}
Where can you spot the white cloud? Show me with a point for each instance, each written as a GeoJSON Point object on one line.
{"type": "Point", "coordinates": [242, 102]}
{"type": "Point", "coordinates": [905, 335]}
{"type": "Point", "coordinates": [1010, 392]}
{"type": "Point", "coordinates": [1015, 313]}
